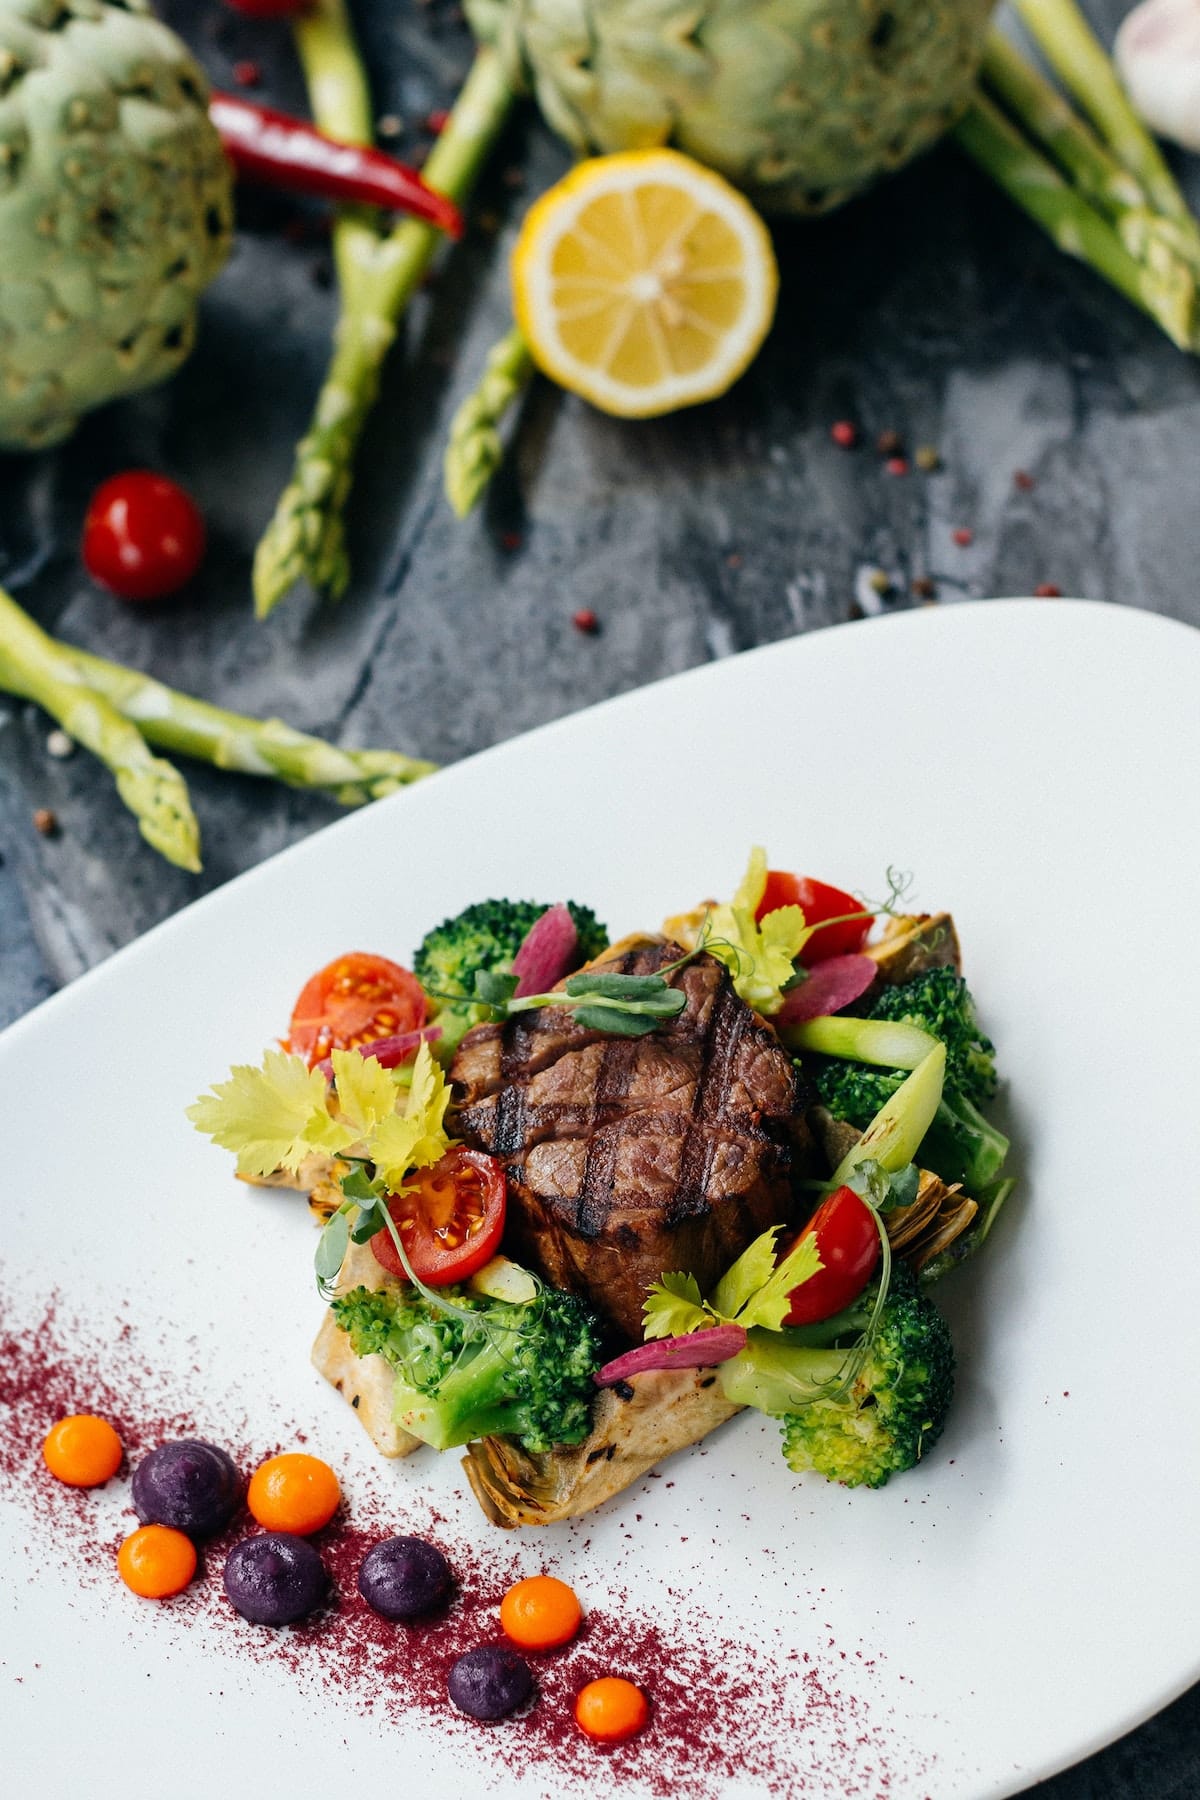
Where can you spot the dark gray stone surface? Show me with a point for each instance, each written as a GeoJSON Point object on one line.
{"type": "Point", "coordinates": [929, 307]}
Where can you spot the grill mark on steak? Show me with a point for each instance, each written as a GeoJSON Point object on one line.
{"type": "Point", "coordinates": [712, 1094]}
{"type": "Point", "coordinates": [630, 1156]}
{"type": "Point", "coordinates": [612, 1085]}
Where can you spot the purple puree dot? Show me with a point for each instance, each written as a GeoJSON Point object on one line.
{"type": "Point", "coordinates": [275, 1578]}
{"type": "Point", "coordinates": [490, 1682]}
{"type": "Point", "coordinates": [189, 1485]}
{"type": "Point", "coordinates": [404, 1578]}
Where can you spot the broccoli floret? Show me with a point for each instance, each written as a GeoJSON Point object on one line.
{"type": "Point", "coordinates": [485, 936]}
{"type": "Point", "coordinates": [491, 1368]}
{"type": "Point", "coordinates": [960, 1145]}
{"type": "Point", "coordinates": [896, 1405]}
{"type": "Point", "coordinates": [939, 1002]}
{"type": "Point", "coordinates": [488, 936]}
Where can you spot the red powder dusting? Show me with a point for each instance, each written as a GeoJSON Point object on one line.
{"type": "Point", "coordinates": [722, 1707]}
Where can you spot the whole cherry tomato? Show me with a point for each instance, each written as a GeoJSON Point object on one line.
{"type": "Point", "coordinates": [351, 1002]}
{"type": "Point", "coordinates": [450, 1220]}
{"type": "Point", "coordinates": [848, 1245]}
{"type": "Point", "coordinates": [819, 901]}
{"type": "Point", "coordinates": [143, 537]}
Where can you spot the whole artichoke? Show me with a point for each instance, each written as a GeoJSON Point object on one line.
{"type": "Point", "coordinates": [800, 102]}
{"type": "Point", "coordinates": [115, 208]}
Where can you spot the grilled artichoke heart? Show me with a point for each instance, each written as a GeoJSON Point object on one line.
{"type": "Point", "coordinates": [115, 208]}
{"type": "Point", "coordinates": [799, 102]}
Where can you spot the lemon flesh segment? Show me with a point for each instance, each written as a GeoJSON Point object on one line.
{"type": "Point", "coordinates": [644, 282]}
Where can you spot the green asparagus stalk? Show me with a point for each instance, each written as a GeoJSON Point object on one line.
{"type": "Point", "coordinates": [36, 667]}
{"type": "Point", "coordinates": [1078, 59]}
{"type": "Point", "coordinates": [229, 740]}
{"type": "Point", "coordinates": [1027, 96]}
{"type": "Point", "coordinates": [306, 538]}
{"type": "Point", "coordinates": [340, 97]}
{"type": "Point", "coordinates": [1043, 112]}
{"type": "Point", "coordinates": [474, 451]}
{"type": "Point", "coordinates": [1028, 177]}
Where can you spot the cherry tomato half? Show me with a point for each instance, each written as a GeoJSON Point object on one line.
{"type": "Point", "coordinates": [451, 1219]}
{"type": "Point", "coordinates": [819, 901]}
{"type": "Point", "coordinates": [143, 537]}
{"type": "Point", "coordinates": [848, 1245]}
{"type": "Point", "coordinates": [352, 1001]}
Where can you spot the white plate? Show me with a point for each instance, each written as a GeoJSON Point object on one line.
{"type": "Point", "coordinates": [1026, 1595]}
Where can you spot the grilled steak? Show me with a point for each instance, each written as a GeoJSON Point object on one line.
{"type": "Point", "coordinates": [628, 1157]}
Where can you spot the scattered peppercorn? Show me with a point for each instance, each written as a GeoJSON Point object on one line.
{"type": "Point", "coordinates": [247, 73]}
{"type": "Point", "coordinates": [389, 126]}
{"type": "Point", "coordinates": [927, 458]}
{"type": "Point", "coordinates": [889, 443]}
{"type": "Point", "coordinates": [844, 434]}
{"type": "Point", "coordinates": [437, 121]}
{"type": "Point", "coordinates": [878, 582]}
{"type": "Point", "coordinates": [733, 561]}
{"type": "Point", "coordinates": [896, 465]}
{"type": "Point", "coordinates": [923, 587]}
{"type": "Point", "coordinates": [59, 745]}
{"type": "Point", "coordinates": [1048, 590]}
{"type": "Point", "coordinates": [585, 620]}
{"type": "Point", "coordinates": [45, 821]}
{"type": "Point", "coordinates": [489, 223]}
{"type": "Point", "coordinates": [963, 536]}
{"type": "Point", "coordinates": [1023, 481]}
{"type": "Point", "coordinates": [510, 541]}
{"type": "Point", "coordinates": [514, 177]}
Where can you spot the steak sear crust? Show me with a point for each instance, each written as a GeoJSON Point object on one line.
{"type": "Point", "coordinates": [630, 1157]}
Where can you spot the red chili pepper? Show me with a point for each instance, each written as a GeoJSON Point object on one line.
{"type": "Point", "coordinates": [283, 152]}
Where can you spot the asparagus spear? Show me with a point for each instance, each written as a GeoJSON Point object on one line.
{"type": "Point", "coordinates": [474, 451]}
{"type": "Point", "coordinates": [306, 538]}
{"type": "Point", "coordinates": [36, 667]}
{"type": "Point", "coordinates": [1079, 60]}
{"type": "Point", "coordinates": [1029, 178]}
{"type": "Point", "coordinates": [229, 740]}
{"type": "Point", "coordinates": [1028, 97]}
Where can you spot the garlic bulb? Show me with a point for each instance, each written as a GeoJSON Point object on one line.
{"type": "Point", "coordinates": [1157, 53]}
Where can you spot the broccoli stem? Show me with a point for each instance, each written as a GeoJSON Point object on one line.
{"type": "Point", "coordinates": [472, 1401]}
{"type": "Point", "coordinates": [895, 1133]}
{"type": "Point", "coordinates": [776, 1375]}
{"type": "Point", "coordinates": [306, 537]}
{"type": "Point", "coordinates": [35, 666]}
{"type": "Point", "coordinates": [474, 451]}
{"type": "Point", "coordinates": [964, 1146]}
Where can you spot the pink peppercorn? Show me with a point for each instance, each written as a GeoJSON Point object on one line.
{"type": "Point", "coordinates": [247, 74]}
{"type": "Point", "coordinates": [963, 536]}
{"type": "Point", "coordinates": [844, 434]}
{"type": "Point", "coordinates": [586, 621]}
{"type": "Point", "coordinates": [1048, 590]}
{"type": "Point", "coordinates": [896, 465]}
{"type": "Point", "coordinates": [1023, 481]}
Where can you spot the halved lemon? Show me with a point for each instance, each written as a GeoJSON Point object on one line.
{"type": "Point", "coordinates": [644, 282]}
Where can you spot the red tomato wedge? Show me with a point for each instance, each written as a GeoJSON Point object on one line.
{"type": "Point", "coordinates": [353, 1001]}
{"type": "Point", "coordinates": [819, 901]}
{"type": "Point", "coordinates": [848, 1245]}
{"type": "Point", "coordinates": [451, 1219]}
